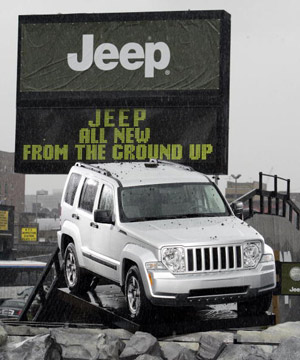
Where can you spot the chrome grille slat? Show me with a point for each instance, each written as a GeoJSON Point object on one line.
{"type": "Point", "coordinates": [215, 258]}
{"type": "Point", "coordinates": [195, 261]}
{"type": "Point", "coordinates": [227, 257]}
{"type": "Point", "coordinates": [219, 258]}
{"type": "Point", "coordinates": [211, 261]}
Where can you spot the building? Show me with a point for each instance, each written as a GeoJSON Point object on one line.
{"type": "Point", "coordinates": [12, 185]}
{"type": "Point", "coordinates": [44, 205]}
{"type": "Point", "coordinates": [12, 200]}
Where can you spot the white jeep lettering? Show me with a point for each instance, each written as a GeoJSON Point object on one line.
{"type": "Point", "coordinates": [106, 52]}
{"type": "Point", "coordinates": [87, 55]}
{"type": "Point", "coordinates": [131, 51]}
{"type": "Point", "coordinates": [132, 56]}
{"type": "Point", "coordinates": [150, 63]}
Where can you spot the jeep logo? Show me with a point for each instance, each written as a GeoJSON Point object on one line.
{"type": "Point", "coordinates": [132, 56]}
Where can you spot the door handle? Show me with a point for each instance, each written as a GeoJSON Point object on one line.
{"type": "Point", "coordinates": [75, 216]}
{"type": "Point", "coordinates": [94, 225]}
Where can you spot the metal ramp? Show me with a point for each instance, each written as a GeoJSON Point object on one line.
{"type": "Point", "coordinates": [105, 306]}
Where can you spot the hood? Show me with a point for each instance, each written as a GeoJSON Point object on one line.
{"type": "Point", "coordinates": [192, 232]}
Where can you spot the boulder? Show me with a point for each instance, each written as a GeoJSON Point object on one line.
{"type": "Point", "coordinates": [288, 350]}
{"type": "Point", "coordinates": [141, 343]}
{"type": "Point", "coordinates": [274, 334]}
{"type": "Point", "coordinates": [90, 345]}
{"type": "Point", "coordinates": [3, 335]}
{"type": "Point", "coordinates": [111, 349]}
{"type": "Point", "coordinates": [243, 352]}
{"type": "Point", "coordinates": [39, 347]}
{"type": "Point", "coordinates": [173, 351]}
{"type": "Point", "coordinates": [148, 357]}
{"type": "Point", "coordinates": [210, 347]}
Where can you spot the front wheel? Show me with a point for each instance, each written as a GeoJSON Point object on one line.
{"type": "Point", "coordinates": [139, 307]}
{"type": "Point", "coordinates": [257, 306]}
{"type": "Point", "coordinates": [76, 279]}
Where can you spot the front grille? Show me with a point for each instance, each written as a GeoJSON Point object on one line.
{"type": "Point", "coordinates": [214, 258]}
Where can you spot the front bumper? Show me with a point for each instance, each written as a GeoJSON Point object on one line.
{"type": "Point", "coordinates": [210, 288]}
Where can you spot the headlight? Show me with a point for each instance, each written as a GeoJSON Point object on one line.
{"type": "Point", "coordinates": [173, 259]}
{"type": "Point", "coordinates": [252, 254]}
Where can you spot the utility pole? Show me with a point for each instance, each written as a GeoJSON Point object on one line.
{"type": "Point", "coordinates": [235, 177]}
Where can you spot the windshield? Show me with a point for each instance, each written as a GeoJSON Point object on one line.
{"type": "Point", "coordinates": [170, 201]}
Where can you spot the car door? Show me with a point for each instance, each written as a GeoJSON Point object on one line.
{"type": "Point", "coordinates": [101, 238]}
{"type": "Point", "coordinates": [84, 216]}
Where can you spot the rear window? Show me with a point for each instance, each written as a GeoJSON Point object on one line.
{"type": "Point", "coordinates": [72, 188]}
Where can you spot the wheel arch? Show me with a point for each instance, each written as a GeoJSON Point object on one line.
{"type": "Point", "coordinates": [70, 234]}
{"type": "Point", "coordinates": [134, 254]}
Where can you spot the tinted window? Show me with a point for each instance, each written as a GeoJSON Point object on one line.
{"type": "Point", "coordinates": [88, 195]}
{"type": "Point", "coordinates": [106, 200]}
{"type": "Point", "coordinates": [71, 188]}
{"type": "Point", "coordinates": [165, 201]}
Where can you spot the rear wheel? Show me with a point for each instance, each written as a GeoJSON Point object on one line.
{"type": "Point", "coordinates": [258, 305]}
{"type": "Point", "coordinates": [77, 280]}
{"type": "Point", "coordinates": [139, 307]}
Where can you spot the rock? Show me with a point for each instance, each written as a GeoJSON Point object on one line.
{"type": "Point", "coordinates": [173, 351]}
{"type": "Point", "coordinates": [274, 334]}
{"type": "Point", "coordinates": [243, 352]}
{"type": "Point", "coordinates": [23, 330]}
{"type": "Point", "coordinates": [111, 350]}
{"type": "Point", "coordinates": [194, 346]}
{"type": "Point", "coordinates": [148, 357]}
{"type": "Point", "coordinates": [288, 350]}
{"type": "Point", "coordinates": [39, 347]}
{"type": "Point", "coordinates": [210, 347]}
{"type": "Point", "coordinates": [88, 344]}
{"type": "Point", "coordinates": [3, 335]}
{"type": "Point", "coordinates": [78, 345]}
{"type": "Point", "coordinates": [141, 343]}
{"type": "Point", "coordinates": [226, 337]}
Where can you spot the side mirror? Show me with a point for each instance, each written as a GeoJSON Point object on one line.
{"type": "Point", "coordinates": [103, 216]}
{"type": "Point", "coordinates": [238, 209]}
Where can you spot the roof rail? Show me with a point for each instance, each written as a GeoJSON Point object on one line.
{"type": "Point", "coordinates": [156, 162]}
{"type": "Point", "coordinates": [94, 168]}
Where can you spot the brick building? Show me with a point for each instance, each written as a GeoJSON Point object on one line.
{"type": "Point", "coordinates": [12, 185]}
{"type": "Point", "coordinates": [12, 196]}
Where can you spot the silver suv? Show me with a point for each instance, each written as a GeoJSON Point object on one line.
{"type": "Point", "coordinates": [165, 234]}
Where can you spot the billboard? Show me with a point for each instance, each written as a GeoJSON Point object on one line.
{"type": "Point", "coordinates": [123, 87]}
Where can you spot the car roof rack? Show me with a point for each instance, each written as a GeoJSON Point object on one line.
{"type": "Point", "coordinates": [94, 168]}
{"type": "Point", "coordinates": [156, 162]}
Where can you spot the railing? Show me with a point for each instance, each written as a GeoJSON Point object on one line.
{"type": "Point", "coordinates": [272, 202]}
{"type": "Point", "coordinates": [39, 288]}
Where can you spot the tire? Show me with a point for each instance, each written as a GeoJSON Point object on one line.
{"type": "Point", "coordinates": [139, 307]}
{"type": "Point", "coordinates": [76, 279]}
{"type": "Point", "coordinates": [257, 306]}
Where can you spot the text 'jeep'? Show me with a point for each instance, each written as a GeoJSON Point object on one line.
{"type": "Point", "coordinates": [165, 234]}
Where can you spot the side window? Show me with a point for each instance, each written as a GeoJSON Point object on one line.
{"type": "Point", "coordinates": [71, 188]}
{"type": "Point", "coordinates": [106, 200]}
{"type": "Point", "coordinates": [88, 195]}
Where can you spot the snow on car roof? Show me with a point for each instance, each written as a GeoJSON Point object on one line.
{"type": "Point", "coordinates": [143, 173]}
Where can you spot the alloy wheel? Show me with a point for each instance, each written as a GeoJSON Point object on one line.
{"type": "Point", "coordinates": [71, 269]}
{"type": "Point", "coordinates": [134, 295]}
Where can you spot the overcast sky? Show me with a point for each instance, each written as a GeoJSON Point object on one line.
{"type": "Point", "coordinates": [264, 78]}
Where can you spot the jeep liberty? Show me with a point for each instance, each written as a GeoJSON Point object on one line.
{"type": "Point", "coordinates": [165, 234]}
